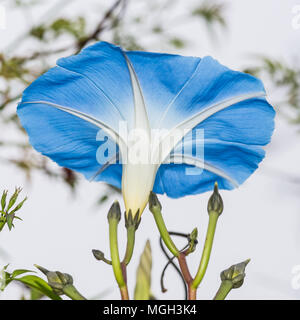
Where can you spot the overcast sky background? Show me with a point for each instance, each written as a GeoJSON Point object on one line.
{"type": "Point", "coordinates": [261, 219]}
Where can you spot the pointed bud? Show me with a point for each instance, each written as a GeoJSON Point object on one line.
{"type": "Point", "coordinates": [99, 255]}
{"type": "Point", "coordinates": [194, 235]}
{"type": "Point", "coordinates": [56, 280]}
{"type": "Point", "coordinates": [131, 221]}
{"type": "Point", "coordinates": [154, 203]}
{"type": "Point", "coordinates": [193, 240]}
{"type": "Point", "coordinates": [114, 212]}
{"type": "Point", "coordinates": [215, 202]}
{"type": "Point", "coordinates": [42, 269]}
{"type": "Point", "coordinates": [236, 274]}
{"type": "Point", "coordinates": [65, 278]}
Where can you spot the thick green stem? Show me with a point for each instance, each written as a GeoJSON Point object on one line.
{"type": "Point", "coordinates": [115, 259]}
{"type": "Point", "coordinates": [163, 231]}
{"type": "Point", "coordinates": [130, 244]}
{"type": "Point", "coordinates": [213, 218]}
{"type": "Point", "coordinates": [224, 289]}
{"type": "Point", "coordinates": [72, 292]}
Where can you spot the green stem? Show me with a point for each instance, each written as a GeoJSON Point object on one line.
{"type": "Point", "coordinates": [224, 289]}
{"type": "Point", "coordinates": [107, 261]}
{"type": "Point", "coordinates": [130, 244]}
{"type": "Point", "coordinates": [213, 218]}
{"type": "Point", "coordinates": [114, 252]}
{"type": "Point", "coordinates": [164, 232]}
{"type": "Point", "coordinates": [72, 292]}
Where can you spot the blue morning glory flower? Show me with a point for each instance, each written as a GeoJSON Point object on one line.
{"type": "Point", "coordinates": [81, 112]}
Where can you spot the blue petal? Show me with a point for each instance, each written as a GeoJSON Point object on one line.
{"type": "Point", "coordinates": [104, 65]}
{"type": "Point", "coordinates": [162, 77]}
{"type": "Point", "coordinates": [69, 141]}
{"type": "Point", "coordinates": [233, 143]}
{"type": "Point", "coordinates": [97, 83]}
{"type": "Point", "coordinates": [176, 87]}
{"type": "Point", "coordinates": [173, 180]}
{"type": "Point", "coordinates": [85, 83]}
{"type": "Point", "coordinates": [249, 122]}
{"type": "Point", "coordinates": [235, 160]}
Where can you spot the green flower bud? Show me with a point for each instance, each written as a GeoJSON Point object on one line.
{"type": "Point", "coordinates": [154, 203]}
{"type": "Point", "coordinates": [131, 221]}
{"type": "Point", "coordinates": [193, 240]}
{"type": "Point", "coordinates": [57, 280]}
{"type": "Point", "coordinates": [114, 212]}
{"type": "Point", "coordinates": [99, 255]}
{"type": "Point", "coordinates": [236, 274]}
{"type": "Point", "coordinates": [61, 283]}
{"type": "Point", "coordinates": [215, 202]}
{"type": "Point", "coordinates": [194, 235]}
{"type": "Point", "coordinates": [65, 278]}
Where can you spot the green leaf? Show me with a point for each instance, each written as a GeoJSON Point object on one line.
{"type": "Point", "coordinates": [35, 294]}
{"type": "Point", "coordinates": [18, 272]}
{"type": "Point", "coordinates": [2, 223]}
{"type": "Point", "coordinates": [31, 281]}
{"type": "Point", "coordinates": [13, 198]}
{"type": "Point", "coordinates": [19, 206]}
{"type": "Point", "coordinates": [35, 282]}
{"type": "Point", "coordinates": [9, 221]}
{"type": "Point", "coordinates": [4, 276]}
{"type": "Point", "coordinates": [3, 199]}
{"type": "Point", "coordinates": [143, 277]}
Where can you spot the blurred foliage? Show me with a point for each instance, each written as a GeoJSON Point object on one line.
{"type": "Point", "coordinates": [76, 28]}
{"type": "Point", "coordinates": [283, 76]}
{"type": "Point", "coordinates": [212, 13]}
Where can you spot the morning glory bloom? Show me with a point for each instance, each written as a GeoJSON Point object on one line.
{"type": "Point", "coordinates": [217, 120]}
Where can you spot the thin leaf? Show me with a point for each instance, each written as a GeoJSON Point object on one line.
{"type": "Point", "coordinates": [19, 206]}
{"type": "Point", "coordinates": [13, 198]}
{"type": "Point", "coordinates": [9, 221]}
{"type": "Point", "coordinates": [18, 272]}
{"type": "Point", "coordinates": [35, 282]}
{"type": "Point", "coordinates": [3, 199]}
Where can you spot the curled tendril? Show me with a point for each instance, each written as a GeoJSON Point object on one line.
{"type": "Point", "coordinates": [171, 262]}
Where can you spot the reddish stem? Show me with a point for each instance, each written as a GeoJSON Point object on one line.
{"type": "Point", "coordinates": [186, 275]}
{"type": "Point", "coordinates": [124, 291]}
